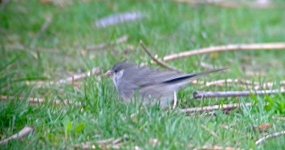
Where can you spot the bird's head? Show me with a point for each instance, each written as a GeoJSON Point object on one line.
{"type": "Point", "coordinates": [117, 71]}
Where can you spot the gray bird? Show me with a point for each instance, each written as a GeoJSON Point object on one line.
{"type": "Point", "coordinates": [152, 86]}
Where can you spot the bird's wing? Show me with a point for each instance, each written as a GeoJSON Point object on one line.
{"type": "Point", "coordinates": [164, 91]}
{"type": "Point", "coordinates": [134, 78]}
{"type": "Point", "coordinates": [191, 76]}
{"type": "Point", "coordinates": [181, 81]}
{"type": "Point", "coordinates": [172, 82]}
{"type": "Point", "coordinates": [161, 82]}
{"type": "Point", "coordinates": [144, 76]}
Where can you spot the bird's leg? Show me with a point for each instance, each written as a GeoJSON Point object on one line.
{"type": "Point", "coordinates": [175, 100]}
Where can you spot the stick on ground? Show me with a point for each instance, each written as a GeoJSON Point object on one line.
{"type": "Point", "coordinates": [244, 83]}
{"type": "Point", "coordinates": [247, 83]}
{"type": "Point", "coordinates": [231, 4]}
{"type": "Point", "coordinates": [226, 48]}
{"type": "Point", "coordinates": [207, 109]}
{"type": "Point", "coordinates": [40, 101]}
{"type": "Point", "coordinates": [269, 136]}
{"type": "Point", "coordinates": [203, 95]}
{"type": "Point", "coordinates": [160, 63]}
{"type": "Point", "coordinates": [68, 80]}
{"type": "Point", "coordinates": [18, 136]}
{"type": "Point", "coordinates": [76, 77]}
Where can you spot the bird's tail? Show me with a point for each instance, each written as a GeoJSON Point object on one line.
{"type": "Point", "coordinates": [193, 76]}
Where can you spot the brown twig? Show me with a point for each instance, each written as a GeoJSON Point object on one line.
{"type": "Point", "coordinates": [77, 77]}
{"type": "Point", "coordinates": [230, 4]}
{"type": "Point", "coordinates": [68, 80]}
{"type": "Point", "coordinates": [207, 109]}
{"type": "Point", "coordinates": [39, 101]}
{"type": "Point", "coordinates": [228, 81]}
{"type": "Point", "coordinates": [160, 63]}
{"type": "Point", "coordinates": [203, 95]}
{"type": "Point", "coordinates": [26, 131]}
{"type": "Point", "coordinates": [226, 48]}
{"type": "Point", "coordinates": [224, 82]}
{"type": "Point", "coordinates": [269, 136]}
{"type": "Point", "coordinates": [262, 127]}
{"type": "Point", "coordinates": [246, 83]}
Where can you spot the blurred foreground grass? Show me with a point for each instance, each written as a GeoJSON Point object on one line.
{"type": "Point", "coordinates": [29, 54]}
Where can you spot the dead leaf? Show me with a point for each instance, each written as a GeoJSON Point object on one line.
{"type": "Point", "coordinates": [263, 127]}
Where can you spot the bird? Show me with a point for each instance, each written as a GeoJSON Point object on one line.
{"type": "Point", "coordinates": [152, 86]}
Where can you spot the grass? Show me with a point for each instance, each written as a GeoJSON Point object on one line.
{"type": "Point", "coordinates": [169, 27]}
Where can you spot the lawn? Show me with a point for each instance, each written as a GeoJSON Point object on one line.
{"type": "Point", "coordinates": [43, 41]}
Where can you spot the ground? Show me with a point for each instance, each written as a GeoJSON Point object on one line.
{"type": "Point", "coordinates": [46, 41]}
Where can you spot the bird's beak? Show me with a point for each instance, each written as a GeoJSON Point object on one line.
{"type": "Point", "coordinates": [109, 73]}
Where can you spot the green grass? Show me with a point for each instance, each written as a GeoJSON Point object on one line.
{"type": "Point", "coordinates": [169, 27]}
